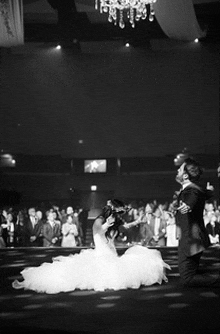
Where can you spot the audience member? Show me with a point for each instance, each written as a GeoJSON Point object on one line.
{"type": "Point", "coordinates": [132, 234]}
{"type": "Point", "coordinates": [2, 242]}
{"type": "Point", "coordinates": [158, 228]}
{"type": "Point", "coordinates": [51, 231]}
{"type": "Point", "coordinates": [171, 233]}
{"type": "Point", "coordinates": [83, 222]}
{"type": "Point", "coordinates": [213, 228]}
{"type": "Point", "coordinates": [19, 237]}
{"type": "Point", "coordinates": [4, 226]}
{"type": "Point", "coordinates": [208, 211]}
{"type": "Point", "coordinates": [39, 216]}
{"type": "Point", "coordinates": [69, 233]}
{"type": "Point", "coordinates": [56, 217]}
{"type": "Point", "coordinates": [33, 229]}
{"type": "Point", "coordinates": [146, 234]}
{"type": "Point", "coordinates": [10, 229]}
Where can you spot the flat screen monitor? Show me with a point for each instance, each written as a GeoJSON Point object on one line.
{"type": "Point", "coordinates": [95, 166]}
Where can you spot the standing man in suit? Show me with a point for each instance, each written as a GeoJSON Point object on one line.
{"type": "Point", "coordinates": [213, 229]}
{"type": "Point", "coordinates": [33, 230]}
{"type": "Point", "coordinates": [192, 234]}
{"type": "Point", "coordinates": [157, 226]}
{"type": "Point", "coordinates": [51, 231]}
{"type": "Point", "coordinates": [83, 222]}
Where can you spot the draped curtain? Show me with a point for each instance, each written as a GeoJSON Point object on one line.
{"type": "Point", "coordinates": [178, 20]}
{"type": "Point", "coordinates": [11, 23]}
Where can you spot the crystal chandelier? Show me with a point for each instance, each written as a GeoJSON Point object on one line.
{"type": "Point", "coordinates": [133, 9]}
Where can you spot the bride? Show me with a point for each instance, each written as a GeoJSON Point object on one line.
{"type": "Point", "coordinates": [101, 268]}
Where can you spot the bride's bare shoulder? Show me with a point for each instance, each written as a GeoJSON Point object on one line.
{"type": "Point", "coordinates": [98, 223]}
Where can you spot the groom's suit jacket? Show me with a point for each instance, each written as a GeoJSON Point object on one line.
{"type": "Point", "coordinates": [191, 231]}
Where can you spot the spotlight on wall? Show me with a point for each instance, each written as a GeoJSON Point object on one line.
{"type": "Point", "coordinates": [7, 160]}
{"type": "Point", "coordinates": [93, 188]}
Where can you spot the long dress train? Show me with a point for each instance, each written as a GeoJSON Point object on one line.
{"type": "Point", "coordinates": [96, 269]}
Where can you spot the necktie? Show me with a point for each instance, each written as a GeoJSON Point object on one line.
{"type": "Point", "coordinates": [213, 230]}
{"type": "Point", "coordinates": [33, 221]}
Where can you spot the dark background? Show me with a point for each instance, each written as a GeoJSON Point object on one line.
{"type": "Point", "coordinates": [95, 98]}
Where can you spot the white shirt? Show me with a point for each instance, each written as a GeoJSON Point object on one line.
{"type": "Point", "coordinates": [33, 220]}
{"type": "Point", "coordinates": [52, 223]}
{"type": "Point", "coordinates": [185, 185]}
{"type": "Point", "coordinates": [156, 226]}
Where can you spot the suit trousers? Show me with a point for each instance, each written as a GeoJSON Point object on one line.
{"type": "Point", "coordinates": [188, 270]}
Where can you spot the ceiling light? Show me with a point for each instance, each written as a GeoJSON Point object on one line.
{"type": "Point", "coordinates": [120, 11]}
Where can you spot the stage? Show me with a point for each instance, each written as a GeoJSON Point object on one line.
{"type": "Point", "coordinates": [166, 308]}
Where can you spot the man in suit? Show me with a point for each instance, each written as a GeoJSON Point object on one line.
{"type": "Point", "coordinates": [51, 231]}
{"type": "Point", "coordinates": [192, 234]}
{"type": "Point", "coordinates": [32, 230]}
{"type": "Point", "coordinates": [83, 222]}
{"type": "Point", "coordinates": [213, 229]}
{"type": "Point", "coordinates": [157, 226]}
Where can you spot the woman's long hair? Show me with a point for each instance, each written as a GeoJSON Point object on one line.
{"type": "Point", "coordinates": [116, 208]}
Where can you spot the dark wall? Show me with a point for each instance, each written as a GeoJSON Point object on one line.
{"type": "Point", "coordinates": [55, 179]}
{"type": "Point", "coordinates": [76, 189]}
{"type": "Point", "coordinates": [120, 102]}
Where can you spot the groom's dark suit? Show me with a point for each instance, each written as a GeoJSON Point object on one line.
{"type": "Point", "coordinates": [193, 236]}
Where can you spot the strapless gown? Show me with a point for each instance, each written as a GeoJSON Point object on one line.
{"type": "Point", "coordinates": [96, 269]}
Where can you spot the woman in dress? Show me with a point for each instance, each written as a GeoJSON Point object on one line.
{"type": "Point", "coordinates": [101, 268]}
{"type": "Point", "coordinates": [69, 233]}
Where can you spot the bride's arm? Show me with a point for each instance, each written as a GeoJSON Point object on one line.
{"type": "Point", "coordinates": [109, 222]}
{"type": "Point", "coordinates": [134, 223]}
{"type": "Point", "coordinates": [98, 225]}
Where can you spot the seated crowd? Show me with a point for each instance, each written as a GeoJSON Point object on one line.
{"type": "Point", "coordinates": [154, 225]}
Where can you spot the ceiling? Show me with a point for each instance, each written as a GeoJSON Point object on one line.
{"type": "Point", "coordinates": [109, 101]}
{"type": "Point", "coordinates": [85, 23]}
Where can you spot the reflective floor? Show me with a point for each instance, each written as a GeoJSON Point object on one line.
{"type": "Point", "coordinates": [166, 308]}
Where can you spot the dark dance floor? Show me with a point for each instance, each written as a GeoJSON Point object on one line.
{"type": "Point", "coordinates": [166, 308]}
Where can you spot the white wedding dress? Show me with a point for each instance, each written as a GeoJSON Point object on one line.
{"type": "Point", "coordinates": [96, 269]}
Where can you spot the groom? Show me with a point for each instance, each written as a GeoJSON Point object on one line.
{"type": "Point", "coordinates": [192, 234]}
